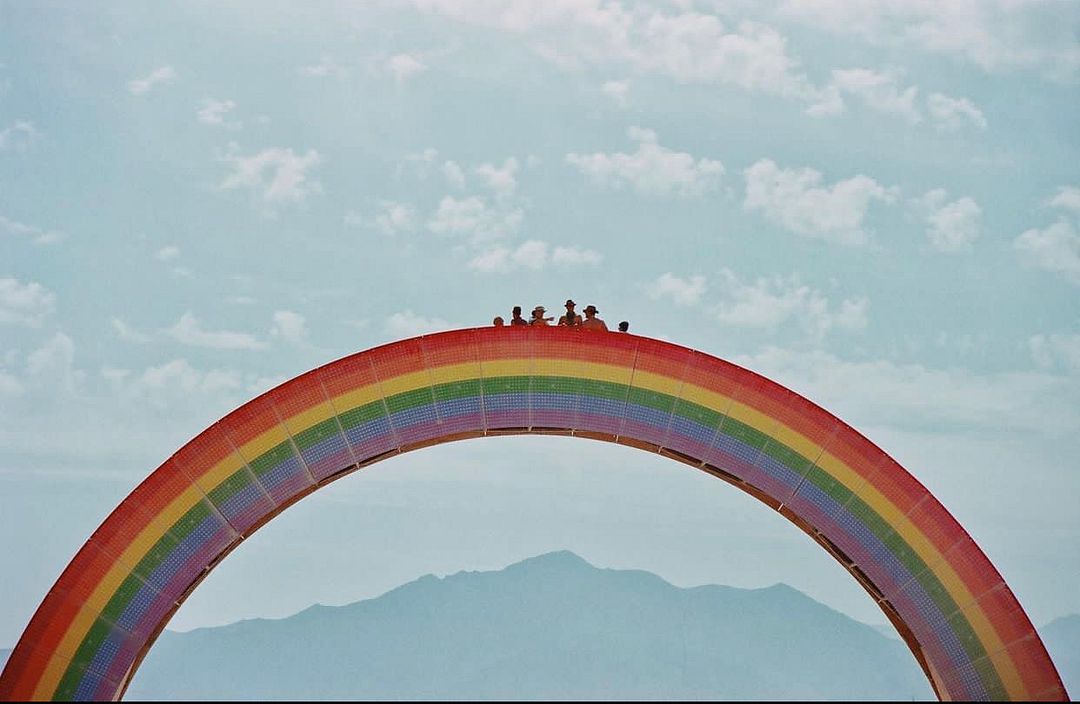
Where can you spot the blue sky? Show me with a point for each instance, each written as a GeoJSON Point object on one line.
{"type": "Point", "coordinates": [876, 204]}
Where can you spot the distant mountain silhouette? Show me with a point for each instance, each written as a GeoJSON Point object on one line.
{"type": "Point", "coordinates": [551, 627]}
{"type": "Point", "coordinates": [1062, 639]}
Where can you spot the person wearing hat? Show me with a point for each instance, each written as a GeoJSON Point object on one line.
{"type": "Point", "coordinates": [538, 316]}
{"type": "Point", "coordinates": [571, 319]}
{"type": "Point", "coordinates": [517, 319]}
{"type": "Point", "coordinates": [591, 322]}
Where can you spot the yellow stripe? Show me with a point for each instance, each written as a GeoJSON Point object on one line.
{"type": "Point", "coordinates": [220, 472]}
{"type": "Point", "coordinates": [264, 442]}
{"type": "Point", "coordinates": [106, 588]}
{"type": "Point", "coordinates": [557, 367]}
{"type": "Point", "coordinates": [357, 397]}
{"type": "Point", "coordinates": [506, 367]}
{"type": "Point", "coordinates": [54, 671]}
{"type": "Point", "coordinates": [309, 418]}
{"type": "Point", "coordinates": [405, 382]}
{"type": "Point", "coordinates": [452, 373]}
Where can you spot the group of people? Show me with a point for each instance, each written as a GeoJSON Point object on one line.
{"type": "Point", "coordinates": [571, 319]}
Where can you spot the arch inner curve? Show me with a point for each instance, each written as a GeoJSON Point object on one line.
{"type": "Point", "coordinates": [950, 605]}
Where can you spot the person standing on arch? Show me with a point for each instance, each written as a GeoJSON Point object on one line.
{"type": "Point", "coordinates": [517, 319]}
{"type": "Point", "coordinates": [538, 316]}
{"type": "Point", "coordinates": [591, 322]}
{"type": "Point", "coordinates": [571, 319]}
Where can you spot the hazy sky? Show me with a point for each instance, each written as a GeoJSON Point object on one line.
{"type": "Point", "coordinates": [874, 203]}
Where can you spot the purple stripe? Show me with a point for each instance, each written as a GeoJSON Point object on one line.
{"type": "Point", "coordinates": [327, 457]}
{"type": "Point", "coordinates": [182, 566]}
{"type": "Point", "coordinates": [852, 536]}
{"type": "Point", "coordinates": [286, 480]}
{"type": "Point", "coordinates": [244, 508]}
{"type": "Point", "coordinates": [556, 410]}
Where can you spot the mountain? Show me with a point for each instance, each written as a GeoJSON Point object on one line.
{"type": "Point", "coordinates": [1062, 639]}
{"type": "Point", "coordinates": [551, 627]}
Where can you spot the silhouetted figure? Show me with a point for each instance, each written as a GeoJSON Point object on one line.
{"type": "Point", "coordinates": [517, 319]}
{"type": "Point", "coordinates": [498, 322]}
{"type": "Point", "coordinates": [591, 322]}
{"type": "Point", "coordinates": [624, 326]}
{"type": "Point", "coordinates": [538, 316]}
{"type": "Point", "coordinates": [571, 319]}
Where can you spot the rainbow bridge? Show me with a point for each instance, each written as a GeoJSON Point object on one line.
{"type": "Point", "coordinates": [951, 606]}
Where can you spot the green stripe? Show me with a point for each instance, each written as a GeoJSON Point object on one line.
{"type": "Point", "coordinates": [157, 554]}
{"type": "Point", "coordinates": [316, 434]}
{"type": "Point", "coordinates": [69, 683]}
{"type": "Point", "coordinates": [665, 403]}
{"type": "Point", "coordinates": [230, 486]}
{"type": "Point", "coordinates": [272, 458]}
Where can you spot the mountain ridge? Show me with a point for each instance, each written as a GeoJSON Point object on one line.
{"type": "Point", "coordinates": [519, 584]}
{"type": "Point", "coordinates": [550, 627]}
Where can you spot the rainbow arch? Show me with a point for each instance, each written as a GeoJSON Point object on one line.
{"type": "Point", "coordinates": [961, 621]}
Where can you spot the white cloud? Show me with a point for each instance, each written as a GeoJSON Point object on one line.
{"type": "Point", "coordinates": [618, 91]}
{"type": "Point", "coordinates": [905, 395]}
{"type": "Point", "coordinates": [167, 253]}
{"type": "Point", "coordinates": [695, 47]}
{"type": "Point", "coordinates": [687, 46]}
{"type": "Point", "coordinates": [52, 366]}
{"type": "Point", "coordinates": [1068, 198]}
{"type": "Point", "coordinates": [1051, 351]}
{"type": "Point", "coordinates": [405, 66]}
{"type": "Point", "coordinates": [241, 300]}
{"type": "Point", "coordinates": [651, 170]}
{"type": "Point", "coordinates": [274, 176]}
{"type": "Point", "coordinates": [290, 327]}
{"type": "Point", "coordinates": [575, 256]}
{"type": "Point", "coordinates": [1057, 248]}
{"type": "Point", "coordinates": [20, 136]}
{"type": "Point", "coordinates": [473, 216]}
{"type": "Point", "coordinates": [771, 302]}
{"type": "Point", "coordinates": [326, 67]}
{"type": "Point", "coordinates": [395, 217]}
{"type": "Point", "coordinates": [392, 218]}
{"type": "Point", "coordinates": [162, 75]}
{"type": "Point", "coordinates": [951, 114]}
{"type": "Point", "coordinates": [188, 331]}
{"type": "Point", "coordinates": [795, 199]}
{"type": "Point", "coordinates": [174, 383]}
{"type": "Point", "coordinates": [994, 35]}
{"type": "Point", "coordinates": [951, 226]}
{"type": "Point", "coordinates": [879, 91]}
{"type": "Point", "coordinates": [35, 234]}
{"type": "Point", "coordinates": [409, 324]}
{"type": "Point", "coordinates": [534, 255]}
{"type": "Point", "coordinates": [454, 175]}
{"type": "Point", "coordinates": [24, 303]}
{"type": "Point", "coordinates": [213, 112]}
{"type": "Point", "coordinates": [500, 180]}
{"type": "Point", "coordinates": [685, 292]}
{"type": "Point", "coordinates": [127, 333]}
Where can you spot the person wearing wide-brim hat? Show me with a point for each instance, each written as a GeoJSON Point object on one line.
{"type": "Point", "coordinates": [591, 322]}
{"type": "Point", "coordinates": [571, 319]}
{"type": "Point", "coordinates": [538, 316]}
